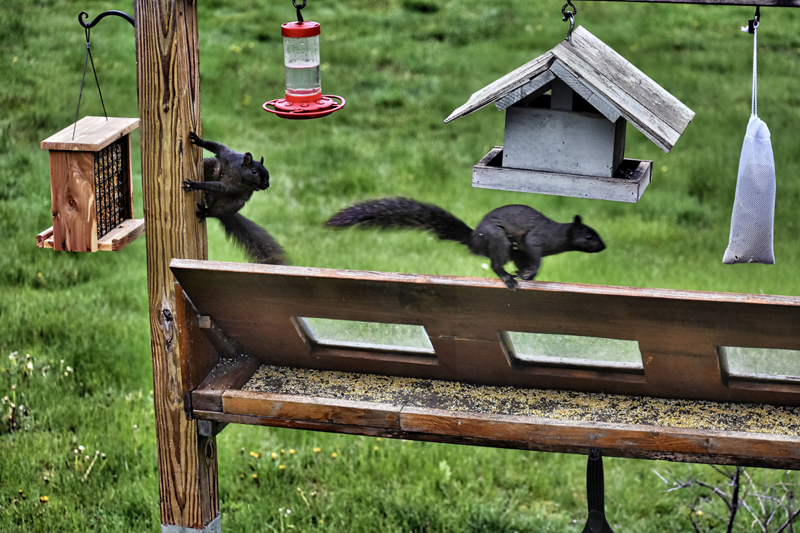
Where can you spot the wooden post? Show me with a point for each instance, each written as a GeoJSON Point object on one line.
{"type": "Point", "coordinates": [169, 107]}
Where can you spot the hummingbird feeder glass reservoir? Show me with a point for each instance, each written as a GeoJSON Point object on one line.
{"type": "Point", "coordinates": [304, 98]}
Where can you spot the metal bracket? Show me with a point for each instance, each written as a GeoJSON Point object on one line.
{"type": "Point", "coordinates": [595, 495]}
{"type": "Point", "coordinates": [210, 428]}
{"type": "Point", "coordinates": [101, 16]}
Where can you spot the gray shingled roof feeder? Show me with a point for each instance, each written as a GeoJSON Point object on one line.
{"type": "Point", "coordinates": [566, 113]}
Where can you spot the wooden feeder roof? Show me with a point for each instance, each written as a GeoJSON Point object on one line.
{"type": "Point", "coordinates": [601, 76]}
{"type": "Point", "coordinates": [92, 134]}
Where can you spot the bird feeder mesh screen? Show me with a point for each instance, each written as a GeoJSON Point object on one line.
{"type": "Point", "coordinates": [754, 205]}
{"type": "Point", "coordinates": [111, 187]}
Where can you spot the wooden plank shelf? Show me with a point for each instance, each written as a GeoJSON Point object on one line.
{"type": "Point", "coordinates": [508, 417]}
{"type": "Point", "coordinates": [113, 241]}
{"type": "Point", "coordinates": [490, 173]}
{"type": "Point", "coordinates": [680, 405]}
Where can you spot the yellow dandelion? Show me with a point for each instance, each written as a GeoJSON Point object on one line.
{"type": "Point", "coordinates": [274, 456]}
{"type": "Point", "coordinates": [378, 439]}
{"type": "Point", "coordinates": [255, 476]}
{"type": "Point", "coordinates": [291, 452]}
{"type": "Point", "coordinates": [282, 467]}
{"type": "Point", "coordinates": [44, 499]}
{"type": "Point", "coordinates": [317, 449]}
{"type": "Point", "coordinates": [256, 455]}
{"type": "Point", "coordinates": [375, 448]}
{"type": "Point", "coordinates": [334, 455]}
{"type": "Point", "coordinates": [283, 452]}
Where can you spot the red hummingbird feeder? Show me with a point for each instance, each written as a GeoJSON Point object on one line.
{"type": "Point", "coordinates": [304, 98]}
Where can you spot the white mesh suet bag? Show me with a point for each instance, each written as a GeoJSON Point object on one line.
{"type": "Point", "coordinates": [754, 206]}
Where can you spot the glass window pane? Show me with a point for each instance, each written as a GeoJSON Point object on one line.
{"type": "Point", "coordinates": [368, 335]}
{"type": "Point", "coordinates": [574, 350]}
{"type": "Point", "coordinates": [765, 363]}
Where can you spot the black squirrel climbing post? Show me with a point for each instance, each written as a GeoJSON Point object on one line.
{"type": "Point", "coordinates": [169, 107]}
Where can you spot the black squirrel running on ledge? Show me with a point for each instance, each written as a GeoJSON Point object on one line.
{"type": "Point", "coordinates": [513, 232]}
{"type": "Point", "coordinates": [230, 179]}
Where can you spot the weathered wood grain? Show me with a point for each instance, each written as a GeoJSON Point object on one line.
{"type": "Point", "coordinates": [121, 236]}
{"type": "Point", "coordinates": [660, 116]}
{"type": "Point", "coordinates": [677, 331]}
{"type": "Point", "coordinates": [503, 86]}
{"type": "Point", "coordinates": [92, 134]}
{"type": "Point", "coordinates": [45, 238]}
{"type": "Point", "coordinates": [633, 82]}
{"type": "Point", "coordinates": [489, 173]}
{"type": "Point", "coordinates": [72, 198]}
{"type": "Point", "coordinates": [634, 111]}
{"type": "Point", "coordinates": [519, 432]}
{"type": "Point", "coordinates": [229, 373]}
{"type": "Point", "coordinates": [311, 409]}
{"type": "Point", "coordinates": [169, 106]}
{"type": "Point", "coordinates": [198, 355]}
{"type": "Point", "coordinates": [532, 87]}
{"type": "Point", "coordinates": [558, 141]}
{"type": "Point", "coordinates": [602, 104]}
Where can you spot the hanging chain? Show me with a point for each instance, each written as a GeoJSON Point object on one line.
{"type": "Point", "coordinates": [89, 58]}
{"type": "Point", "coordinates": [299, 14]}
{"type": "Point", "coordinates": [569, 15]}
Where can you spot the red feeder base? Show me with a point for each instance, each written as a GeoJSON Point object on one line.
{"type": "Point", "coordinates": [322, 107]}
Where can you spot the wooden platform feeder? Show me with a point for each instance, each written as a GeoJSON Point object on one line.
{"type": "Point", "coordinates": [247, 358]}
{"type": "Point", "coordinates": [91, 187]}
{"type": "Point", "coordinates": [566, 115]}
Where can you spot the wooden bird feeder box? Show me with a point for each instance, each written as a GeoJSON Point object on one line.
{"type": "Point", "coordinates": [91, 187]}
{"type": "Point", "coordinates": [566, 114]}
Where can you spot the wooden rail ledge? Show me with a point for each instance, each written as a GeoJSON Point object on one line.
{"type": "Point", "coordinates": [472, 390]}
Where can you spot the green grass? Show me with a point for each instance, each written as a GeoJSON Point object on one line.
{"type": "Point", "coordinates": [403, 66]}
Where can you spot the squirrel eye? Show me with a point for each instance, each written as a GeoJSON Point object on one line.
{"type": "Point", "coordinates": [254, 171]}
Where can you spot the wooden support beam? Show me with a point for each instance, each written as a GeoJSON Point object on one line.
{"type": "Point", "coordinates": [169, 107]}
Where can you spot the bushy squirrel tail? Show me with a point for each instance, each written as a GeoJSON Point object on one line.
{"type": "Point", "coordinates": [388, 213]}
{"type": "Point", "coordinates": [254, 239]}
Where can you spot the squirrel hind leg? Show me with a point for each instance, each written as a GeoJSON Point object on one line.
{"type": "Point", "coordinates": [202, 212]}
{"type": "Point", "coordinates": [508, 279]}
{"type": "Point", "coordinates": [527, 266]}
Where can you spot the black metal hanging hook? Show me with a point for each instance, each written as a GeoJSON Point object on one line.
{"type": "Point", "coordinates": [299, 14]}
{"type": "Point", "coordinates": [90, 60]}
{"type": "Point", "coordinates": [569, 15]}
{"type": "Point", "coordinates": [753, 23]}
{"type": "Point", "coordinates": [101, 16]}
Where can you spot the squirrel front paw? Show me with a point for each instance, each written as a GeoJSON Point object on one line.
{"type": "Point", "coordinates": [189, 185]}
{"type": "Point", "coordinates": [195, 140]}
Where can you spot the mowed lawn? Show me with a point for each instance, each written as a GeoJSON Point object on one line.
{"type": "Point", "coordinates": [77, 438]}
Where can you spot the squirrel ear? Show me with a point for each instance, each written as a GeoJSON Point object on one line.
{"type": "Point", "coordinates": [577, 221]}
{"type": "Point", "coordinates": [248, 159]}
{"type": "Point", "coordinates": [262, 160]}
